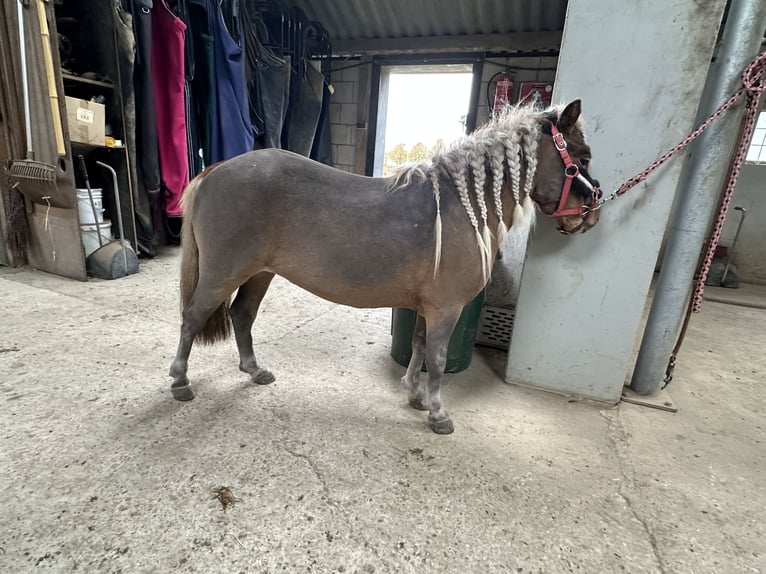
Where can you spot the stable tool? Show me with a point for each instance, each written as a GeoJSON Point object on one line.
{"type": "Point", "coordinates": [743, 211]}
{"type": "Point", "coordinates": [35, 179]}
{"type": "Point", "coordinates": [51, 79]}
{"type": "Point", "coordinates": [114, 259]}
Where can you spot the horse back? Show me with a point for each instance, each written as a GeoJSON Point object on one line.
{"type": "Point", "coordinates": [345, 237]}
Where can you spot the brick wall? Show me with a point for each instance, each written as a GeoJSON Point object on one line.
{"type": "Point", "coordinates": [344, 108]}
{"type": "Point", "coordinates": [345, 103]}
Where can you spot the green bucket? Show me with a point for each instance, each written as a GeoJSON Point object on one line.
{"type": "Point", "coordinates": [460, 350]}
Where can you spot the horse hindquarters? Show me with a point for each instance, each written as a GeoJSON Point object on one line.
{"type": "Point", "coordinates": [203, 309]}
{"type": "Point", "coordinates": [243, 312]}
{"type": "Point", "coordinates": [204, 300]}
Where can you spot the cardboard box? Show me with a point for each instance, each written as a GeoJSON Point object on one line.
{"type": "Point", "coordinates": [86, 121]}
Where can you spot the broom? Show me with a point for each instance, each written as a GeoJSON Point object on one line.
{"type": "Point", "coordinates": [36, 179]}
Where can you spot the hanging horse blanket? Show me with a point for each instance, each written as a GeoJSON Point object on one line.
{"type": "Point", "coordinates": [232, 132]}
{"type": "Point", "coordinates": [168, 80]}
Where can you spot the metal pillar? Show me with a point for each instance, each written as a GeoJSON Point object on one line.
{"type": "Point", "coordinates": [698, 195]}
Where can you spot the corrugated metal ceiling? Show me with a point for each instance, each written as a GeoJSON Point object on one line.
{"type": "Point", "coordinates": [349, 22]}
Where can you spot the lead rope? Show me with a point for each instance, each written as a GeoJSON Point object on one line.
{"type": "Point", "coordinates": [752, 86]}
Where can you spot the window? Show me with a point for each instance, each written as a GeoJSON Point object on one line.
{"type": "Point", "coordinates": [756, 153]}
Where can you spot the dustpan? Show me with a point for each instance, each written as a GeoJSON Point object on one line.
{"type": "Point", "coordinates": [114, 259]}
{"type": "Point", "coordinates": [36, 180]}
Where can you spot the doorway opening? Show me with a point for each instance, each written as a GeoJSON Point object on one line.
{"type": "Point", "coordinates": [420, 108]}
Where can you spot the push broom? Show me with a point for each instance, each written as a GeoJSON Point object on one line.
{"type": "Point", "coordinates": [35, 179]}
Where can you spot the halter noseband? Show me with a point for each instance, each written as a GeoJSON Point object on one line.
{"type": "Point", "coordinates": [571, 172]}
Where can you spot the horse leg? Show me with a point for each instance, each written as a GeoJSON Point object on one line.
{"type": "Point", "coordinates": [243, 312]}
{"type": "Point", "coordinates": [439, 331]}
{"type": "Point", "coordinates": [203, 303]}
{"type": "Point", "coordinates": [411, 379]}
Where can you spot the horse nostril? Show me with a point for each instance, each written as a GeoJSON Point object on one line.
{"type": "Point", "coordinates": [596, 183]}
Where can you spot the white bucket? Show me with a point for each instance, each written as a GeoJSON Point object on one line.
{"type": "Point", "coordinates": [90, 235]}
{"type": "Point", "coordinates": [84, 209]}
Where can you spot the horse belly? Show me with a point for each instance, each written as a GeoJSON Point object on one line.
{"type": "Point", "coordinates": [356, 281]}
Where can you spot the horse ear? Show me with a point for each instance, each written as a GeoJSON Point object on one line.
{"type": "Point", "coordinates": [569, 117]}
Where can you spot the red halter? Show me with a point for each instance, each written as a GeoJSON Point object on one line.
{"type": "Point", "coordinates": [571, 171]}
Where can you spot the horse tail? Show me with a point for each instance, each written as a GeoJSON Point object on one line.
{"type": "Point", "coordinates": [218, 326]}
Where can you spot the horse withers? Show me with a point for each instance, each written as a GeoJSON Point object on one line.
{"type": "Point", "coordinates": [424, 239]}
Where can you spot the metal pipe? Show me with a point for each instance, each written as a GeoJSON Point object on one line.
{"type": "Point", "coordinates": [733, 243]}
{"type": "Point", "coordinates": [471, 118]}
{"type": "Point", "coordinates": [118, 209]}
{"type": "Point", "coordinates": [25, 83]}
{"type": "Point", "coordinates": [698, 193]}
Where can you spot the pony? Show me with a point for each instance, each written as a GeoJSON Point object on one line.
{"type": "Point", "coordinates": [423, 239]}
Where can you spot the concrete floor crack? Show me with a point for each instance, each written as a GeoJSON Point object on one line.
{"type": "Point", "coordinates": [279, 414]}
{"type": "Point", "coordinates": [617, 437]}
{"type": "Point", "coordinates": [297, 327]}
{"type": "Point", "coordinates": [314, 468]}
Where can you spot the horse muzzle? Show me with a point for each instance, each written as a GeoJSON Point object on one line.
{"type": "Point", "coordinates": [589, 218]}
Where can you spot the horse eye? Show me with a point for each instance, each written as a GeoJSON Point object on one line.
{"type": "Point", "coordinates": [585, 162]}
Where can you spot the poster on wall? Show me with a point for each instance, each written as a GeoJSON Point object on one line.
{"type": "Point", "coordinates": [539, 94]}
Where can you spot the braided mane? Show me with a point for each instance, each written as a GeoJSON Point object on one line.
{"type": "Point", "coordinates": [497, 147]}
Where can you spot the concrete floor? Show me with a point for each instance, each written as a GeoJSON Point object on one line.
{"type": "Point", "coordinates": [101, 471]}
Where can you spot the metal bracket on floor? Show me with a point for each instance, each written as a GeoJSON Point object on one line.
{"type": "Point", "coordinates": [660, 400]}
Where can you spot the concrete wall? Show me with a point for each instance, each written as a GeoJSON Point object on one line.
{"type": "Point", "coordinates": [750, 250]}
{"type": "Point", "coordinates": [581, 298]}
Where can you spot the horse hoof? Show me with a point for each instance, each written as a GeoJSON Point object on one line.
{"type": "Point", "coordinates": [184, 393]}
{"type": "Point", "coordinates": [263, 377]}
{"type": "Point", "coordinates": [417, 404]}
{"type": "Point", "coordinates": [442, 427]}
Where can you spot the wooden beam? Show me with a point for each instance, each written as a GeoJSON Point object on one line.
{"type": "Point", "coordinates": [513, 42]}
